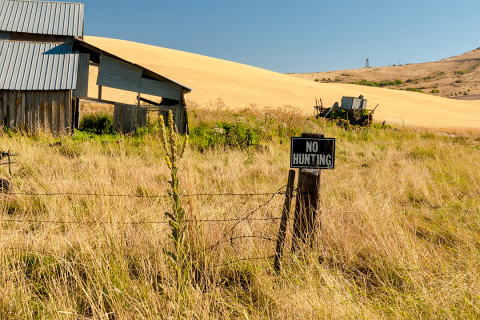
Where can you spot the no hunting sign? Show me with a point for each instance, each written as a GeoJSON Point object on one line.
{"type": "Point", "coordinates": [313, 153]}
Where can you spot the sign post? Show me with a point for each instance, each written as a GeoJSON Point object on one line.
{"type": "Point", "coordinates": [310, 153]}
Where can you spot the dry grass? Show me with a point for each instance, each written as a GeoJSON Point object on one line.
{"type": "Point", "coordinates": [241, 85]}
{"type": "Point", "coordinates": [400, 214]}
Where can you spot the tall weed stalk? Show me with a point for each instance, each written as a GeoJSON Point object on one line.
{"type": "Point", "coordinates": [174, 151]}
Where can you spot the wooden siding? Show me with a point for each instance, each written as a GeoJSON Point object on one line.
{"type": "Point", "coordinates": [37, 111]}
{"type": "Point", "coordinates": [127, 118]}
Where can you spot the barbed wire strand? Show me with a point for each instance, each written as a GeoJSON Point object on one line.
{"type": "Point", "coordinates": [137, 222]}
{"type": "Point", "coordinates": [140, 196]}
{"type": "Point", "coordinates": [241, 220]}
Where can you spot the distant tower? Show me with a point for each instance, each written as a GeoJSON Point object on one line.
{"type": "Point", "coordinates": [367, 63]}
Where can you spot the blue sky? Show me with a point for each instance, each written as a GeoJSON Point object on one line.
{"type": "Point", "coordinates": [295, 35]}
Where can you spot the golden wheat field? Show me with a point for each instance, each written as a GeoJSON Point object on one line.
{"type": "Point", "coordinates": [240, 86]}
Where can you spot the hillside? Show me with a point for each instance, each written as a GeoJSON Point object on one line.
{"type": "Point", "coordinates": [240, 86]}
{"type": "Point", "coordinates": [456, 77]}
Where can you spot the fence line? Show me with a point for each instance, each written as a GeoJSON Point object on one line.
{"type": "Point", "coordinates": [136, 222]}
{"type": "Point", "coordinates": [144, 196]}
{"type": "Point", "coordinates": [222, 240]}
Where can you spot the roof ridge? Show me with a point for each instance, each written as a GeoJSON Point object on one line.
{"type": "Point", "coordinates": [81, 3]}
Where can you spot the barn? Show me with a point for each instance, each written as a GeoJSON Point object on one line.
{"type": "Point", "coordinates": [44, 70]}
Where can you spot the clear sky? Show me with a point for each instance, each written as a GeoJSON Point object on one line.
{"type": "Point", "coordinates": [295, 35]}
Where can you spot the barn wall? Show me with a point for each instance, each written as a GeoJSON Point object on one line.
{"type": "Point", "coordinates": [81, 89]}
{"type": "Point", "coordinates": [37, 111]}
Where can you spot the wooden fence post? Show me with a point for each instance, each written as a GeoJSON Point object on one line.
{"type": "Point", "coordinates": [307, 204]}
{"type": "Point", "coordinates": [284, 221]}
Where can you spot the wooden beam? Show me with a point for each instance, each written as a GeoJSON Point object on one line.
{"type": "Point", "coordinates": [149, 101]}
{"type": "Point", "coordinates": [98, 100]}
{"type": "Point", "coordinates": [99, 92]}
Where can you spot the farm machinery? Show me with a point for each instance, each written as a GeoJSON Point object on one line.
{"type": "Point", "coordinates": [352, 111]}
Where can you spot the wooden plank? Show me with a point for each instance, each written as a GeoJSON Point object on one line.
{"type": "Point", "coordinates": [125, 119]}
{"type": "Point", "coordinates": [61, 115]}
{"type": "Point", "coordinates": [120, 118]}
{"type": "Point", "coordinates": [283, 223]}
{"type": "Point", "coordinates": [115, 117]}
{"type": "Point", "coordinates": [44, 112]}
{"type": "Point", "coordinates": [133, 118]}
{"type": "Point", "coordinates": [11, 111]}
{"type": "Point", "coordinates": [181, 125]}
{"type": "Point", "coordinates": [78, 114]}
{"type": "Point", "coordinates": [1, 110]}
{"type": "Point", "coordinates": [28, 98]}
{"type": "Point", "coordinates": [41, 114]}
{"type": "Point", "coordinates": [23, 127]}
{"type": "Point", "coordinates": [68, 111]}
{"type": "Point", "coordinates": [36, 112]}
{"type": "Point", "coordinates": [71, 111]}
{"type": "Point", "coordinates": [128, 119]}
{"type": "Point", "coordinates": [99, 101]}
{"type": "Point", "coordinates": [149, 101]}
{"type": "Point", "coordinates": [48, 113]}
{"type": "Point", "coordinates": [5, 103]}
{"type": "Point", "coordinates": [141, 117]}
{"type": "Point", "coordinates": [31, 111]}
{"type": "Point", "coordinates": [99, 92]}
{"type": "Point", "coordinates": [176, 117]}
{"type": "Point", "coordinates": [18, 110]}
{"type": "Point", "coordinates": [55, 113]}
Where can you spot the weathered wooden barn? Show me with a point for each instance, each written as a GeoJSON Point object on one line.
{"type": "Point", "coordinates": [44, 70]}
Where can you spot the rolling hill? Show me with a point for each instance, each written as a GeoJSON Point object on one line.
{"type": "Point", "coordinates": [240, 86]}
{"type": "Point", "coordinates": [456, 77]}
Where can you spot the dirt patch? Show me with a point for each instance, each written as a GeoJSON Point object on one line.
{"type": "Point", "coordinates": [468, 97]}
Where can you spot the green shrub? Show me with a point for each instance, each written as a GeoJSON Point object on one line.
{"type": "Point", "coordinates": [462, 72]}
{"type": "Point", "coordinates": [316, 80]}
{"type": "Point", "coordinates": [435, 91]}
{"type": "Point", "coordinates": [378, 84]}
{"type": "Point", "coordinates": [97, 123]}
{"type": "Point", "coordinates": [458, 81]}
{"type": "Point", "coordinates": [414, 90]}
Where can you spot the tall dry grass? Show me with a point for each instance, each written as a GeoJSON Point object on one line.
{"type": "Point", "coordinates": [400, 238]}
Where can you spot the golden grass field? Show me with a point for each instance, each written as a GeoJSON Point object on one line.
{"type": "Point", "coordinates": [84, 235]}
{"type": "Point", "coordinates": [400, 228]}
{"type": "Point", "coordinates": [240, 86]}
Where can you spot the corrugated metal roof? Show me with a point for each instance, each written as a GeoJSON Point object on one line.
{"type": "Point", "coordinates": [161, 89]}
{"type": "Point", "coordinates": [149, 72]}
{"type": "Point", "coordinates": [118, 74]}
{"type": "Point", "coordinates": [81, 89]}
{"type": "Point", "coordinates": [42, 17]}
{"type": "Point", "coordinates": [37, 66]}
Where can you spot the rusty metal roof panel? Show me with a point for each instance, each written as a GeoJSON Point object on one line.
{"type": "Point", "coordinates": [42, 17]}
{"type": "Point", "coordinates": [37, 66]}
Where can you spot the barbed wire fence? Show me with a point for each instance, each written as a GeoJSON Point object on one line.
{"type": "Point", "coordinates": [227, 237]}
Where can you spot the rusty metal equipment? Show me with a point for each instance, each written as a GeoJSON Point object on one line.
{"type": "Point", "coordinates": [354, 110]}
